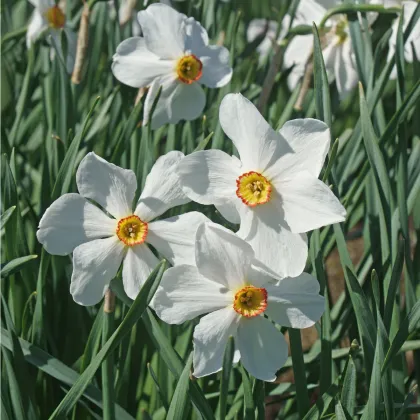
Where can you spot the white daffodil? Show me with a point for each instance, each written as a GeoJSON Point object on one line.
{"type": "Point", "coordinates": [48, 16]}
{"type": "Point", "coordinates": [339, 58]}
{"type": "Point", "coordinates": [273, 190]}
{"type": "Point", "coordinates": [237, 292]}
{"type": "Point", "coordinates": [173, 53]}
{"type": "Point", "coordinates": [412, 42]}
{"type": "Point", "coordinates": [101, 241]}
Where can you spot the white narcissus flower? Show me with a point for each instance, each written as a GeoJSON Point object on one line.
{"type": "Point", "coordinates": [49, 16]}
{"type": "Point", "coordinates": [100, 241]}
{"type": "Point", "coordinates": [173, 53]}
{"type": "Point", "coordinates": [237, 292]}
{"type": "Point", "coordinates": [413, 41]}
{"type": "Point", "coordinates": [273, 190]}
{"type": "Point", "coordinates": [339, 58]}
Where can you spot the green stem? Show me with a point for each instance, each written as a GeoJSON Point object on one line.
{"type": "Point", "coordinates": [299, 372]}
{"type": "Point", "coordinates": [108, 392]}
{"type": "Point", "coordinates": [345, 8]}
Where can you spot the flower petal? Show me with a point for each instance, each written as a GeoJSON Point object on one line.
{"type": "Point", "coordinates": [35, 27]}
{"type": "Point", "coordinates": [196, 36]}
{"type": "Point", "coordinates": [216, 68]}
{"type": "Point", "coordinates": [256, 141]}
{"type": "Point", "coordinates": [139, 262]}
{"type": "Point", "coordinates": [310, 141]}
{"type": "Point", "coordinates": [278, 248]}
{"type": "Point", "coordinates": [263, 348]}
{"type": "Point", "coordinates": [95, 264]}
{"type": "Point", "coordinates": [164, 30]}
{"type": "Point", "coordinates": [297, 54]}
{"type": "Point", "coordinates": [162, 189]}
{"type": "Point", "coordinates": [109, 185]}
{"type": "Point", "coordinates": [229, 211]}
{"type": "Point", "coordinates": [210, 338]}
{"type": "Point", "coordinates": [178, 101]}
{"type": "Point", "coordinates": [308, 203]}
{"type": "Point", "coordinates": [346, 75]}
{"type": "Point", "coordinates": [134, 65]}
{"type": "Point", "coordinates": [184, 294]}
{"type": "Point", "coordinates": [209, 176]}
{"type": "Point", "coordinates": [70, 221]}
{"type": "Point", "coordinates": [222, 256]}
{"type": "Point", "coordinates": [295, 302]}
{"type": "Point", "coordinates": [174, 238]}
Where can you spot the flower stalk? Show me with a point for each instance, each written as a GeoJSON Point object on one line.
{"type": "Point", "coordinates": [82, 45]}
{"type": "Point", "coordinates": [108, 392]}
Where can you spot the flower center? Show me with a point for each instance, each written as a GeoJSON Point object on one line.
{"type": "Point", "coordinates": [189, 69]}
{"type": "Point", "coordinates": [132, 230]}
{"type": "Point", "coordinates": [250, 301]}
{"type": "Point", "coordinates": [253, 189]}
{"type": "Point", "coordinates": [341, 30]}
{"type": "Point", "coordinates": [56, 18]}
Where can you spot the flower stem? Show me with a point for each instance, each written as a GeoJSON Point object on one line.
{"type": "Point", "coordinates": [108, 393]}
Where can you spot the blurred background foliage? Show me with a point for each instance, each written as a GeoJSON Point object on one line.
{"type": "Point", "coordinates": [368, 267]}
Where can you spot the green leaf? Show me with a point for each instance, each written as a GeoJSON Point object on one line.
{"type": "Point", "coordinates": [6, 216]}
{"type": "Point", "coordinates": [58, 370]}
{"type": "Point", "coordinates": [410, 323]}
{"type": "Point", "coordinates": [348, 392]}
{"type": "Point", "coordinates": [179, 407]}
{"type": "Point", "coordinates": [224, 381]}
{"type": "Point", "coordinates": [249, 407]}
{"type": "Point", "coordinates": [299, 372]}
{"type": "Point", "coordinates": [322, 87]}
{"type": "Point", "coordinates": [65, 174]}
{"type": "Point", "coordinates": [16, 265]}
{"type": "Point", "coordinates": [133, 315]}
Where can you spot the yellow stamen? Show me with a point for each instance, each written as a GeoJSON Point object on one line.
{"type": "Point", "coordinates": [55, 17]}
{"type": "Point", "coordinates": [189, 69]}
{"type": "Point", "coordinates": [132, 230]}
{"type": "Point", "coordinates": [253, 189]}
{"type": "Point", "coordinates": [250, 301]}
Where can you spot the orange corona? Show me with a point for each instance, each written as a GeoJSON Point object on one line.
{"type": "Point", "coordinates": [55, 17]}
{"type": "Point", "coordinates": [253, 189]}
{"type": "Point", "coordinates": [250, 301]}
{"type": "Point", "coordinates": [132, 230]}
{"type": "Point", "coordinates": [189, 69]}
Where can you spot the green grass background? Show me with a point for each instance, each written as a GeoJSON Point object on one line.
{"type": "Point", "coordinates": [61, 360]}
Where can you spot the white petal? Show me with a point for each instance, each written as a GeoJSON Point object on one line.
{"type": "Point", "coordinates": [95, 264]}
{"type": "Point", "coordinates": [308, 203]}
{"type": "Point", "coordinates": [346, 74]}
{"type": "Point", "coordinates": [310, 11]}
{"type": "Point", "coordinates": [178, 101]}
{"type": "Point", "coordinates": [310, 141]}
{"type": "Point", "coordinates": [263, 348]}
{"type": "Point", "coordinates": [174, 238]}
{"type": "Point", "coordinates": [209, 176]}
{"type": "Point", "coordinates": [42, 5]}
{"type": "Point", "coordinates": [210, 339]}
{"type": "Point", "coordinates": [184, 294]}
{"type": "Point", "coordinates": [70, 221]}
{"type": "Point", "coordinates": [229, 211]}
{"type": "Point", "coordinates": [164, 30]}
{"type": "Point", "coordinates": [222, 256]}
{"type": "Point", "coordinates": [216, 68]}
{"type": "Point", "coordinates": [295, 302]}
{"type": "Point", "coordinates": [278, 248]}
{"type": "Point", "coordinates": [109, 185]}
{"type": "Point", "coordinates": [139, 262]}
{"type": "Point", "coordinates": [162, 189]}
{"type": "Point", "coordinates": [134, 65]}
{"type": "Point", "coordinates": [255, 140]}
{"type": "Point", "coordinates": [297, 53]}
{"type": "Point", "coordinates": [196, 36]}
{"type": "Point", "coordinates": [35, 27]}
